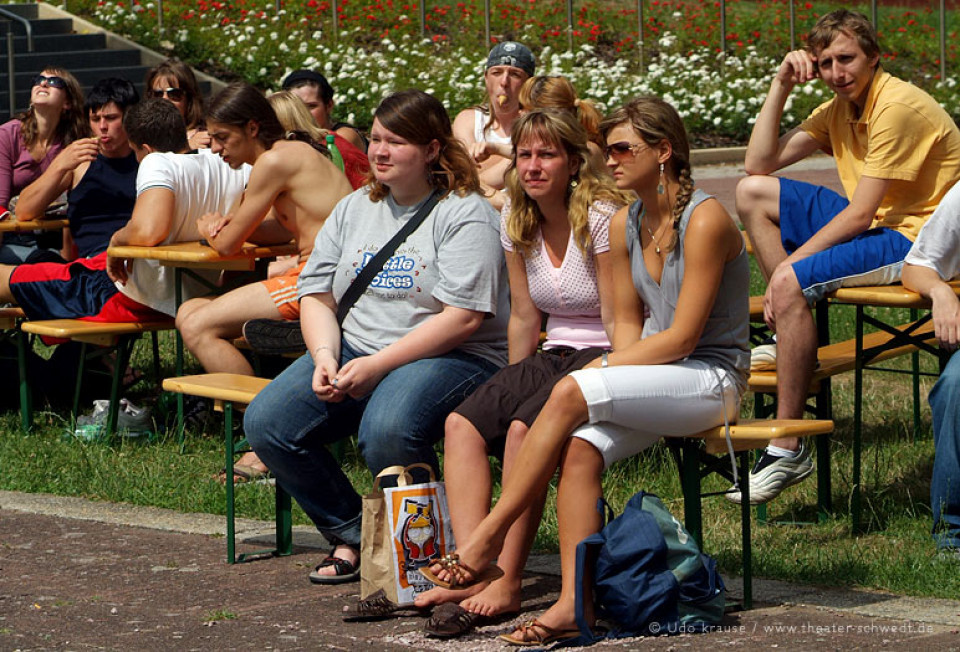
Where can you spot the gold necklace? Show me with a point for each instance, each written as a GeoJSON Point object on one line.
{"type": "Point", "coordinates": [656, 243]}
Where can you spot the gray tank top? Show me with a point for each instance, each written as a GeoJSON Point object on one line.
{"type": "Point", "coordinates": [726, 335]}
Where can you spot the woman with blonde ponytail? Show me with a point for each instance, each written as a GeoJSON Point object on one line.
{"type": "Point", "coordinates": [679, 363]}
{"type": "Point", "coordinates": [554, 232]}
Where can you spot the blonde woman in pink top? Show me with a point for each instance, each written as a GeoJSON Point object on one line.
{"type": "Point", "coordinates": [554, 233]}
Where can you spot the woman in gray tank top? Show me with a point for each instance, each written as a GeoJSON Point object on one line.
{"type": "Point", "coordinates": [679, 361]}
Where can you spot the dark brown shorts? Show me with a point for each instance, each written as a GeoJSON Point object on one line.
{"type": "Point", "coordinates": [518, 392]}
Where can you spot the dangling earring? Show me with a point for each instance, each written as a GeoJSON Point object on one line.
{"type": "Point", "coordinates": [660, 188]}
{"type": "Point", "coordinates": [574, 183]}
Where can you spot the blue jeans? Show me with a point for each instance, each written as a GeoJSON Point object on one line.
{"type": "Point", "coordinates": [398, 423]}
{"type": "Point", "coordinates": [945, 483]}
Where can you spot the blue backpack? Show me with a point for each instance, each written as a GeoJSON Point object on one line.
{"type": "Point", "coordinates": [650, 577]}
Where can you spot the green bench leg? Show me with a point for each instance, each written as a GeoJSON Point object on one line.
{"type": "Point", "coordinates": [283, 505]}
{"type": "Point", "coordinates": [745, 534]}
{"type": "Point", "coordinates": [693, 511]}
{"type": "Point", "coordinates": [26, 396]}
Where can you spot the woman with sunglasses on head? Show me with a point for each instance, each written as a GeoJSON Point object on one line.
{"type": "Point", "coordinates": [30, 142]}
{"type": "Point", "coordinates": [554, 230]}
{"type": "Point", "coordinates": [679, 362]}
{"type": "Point", "coordinates": [427, 330]}
{"type": "Point", "coordinates": [174, 81]}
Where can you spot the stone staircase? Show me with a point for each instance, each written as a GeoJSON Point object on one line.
{"type": "Point", "coordinates": [62, 40]}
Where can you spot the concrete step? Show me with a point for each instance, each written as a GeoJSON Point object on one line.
{"type": "Point", "coordinates": [29, 11]}
{"type": "Point", "coordinates": [56, 43]}
{"type": "Point", "coordinates": [85, 55]}
{"type": "Point", "coordinates": [33, 63]}
{"type": "Point", "coordinates": [40, 27]}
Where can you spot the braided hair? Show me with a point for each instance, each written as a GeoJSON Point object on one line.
{"type": "Point", "coordinates": [655, 121]}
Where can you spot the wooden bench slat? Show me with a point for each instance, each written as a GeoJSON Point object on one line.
{"type": "Point", "coordinates": [839, 358]}
{"type": "Point", "coordinates": [218, 386]}
{"type": "Point", "coordinates": [9, 317]}
{"type": "Point", "coordinates": [93, 332]}
{"type": "Point", "coordinates": [750, 434]}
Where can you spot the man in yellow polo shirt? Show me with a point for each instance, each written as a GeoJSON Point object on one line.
{"type": "Point", "coordinates": [897, 153]}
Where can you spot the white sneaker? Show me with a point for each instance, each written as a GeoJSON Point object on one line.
{"type": "Point", "coordinates": [771, 475]}
{"type": "Point", "coordinates": [764, 357]}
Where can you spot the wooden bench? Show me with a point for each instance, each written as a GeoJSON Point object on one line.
{"type": "Point", "coordinates": [225, 390]}
{"type": "Point", "coordinates": [110, 337]}
{"type": "Point", "coordinates": [835, 359]}
{"type": "Point", "coordinates": [712, 456]}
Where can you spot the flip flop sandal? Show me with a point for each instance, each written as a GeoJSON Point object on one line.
{"type": "Point", "coordinates": [377, 607]}
{"type": "Point", "coordinates": [533, 633]}
{"type": "Point", "coordinates": [457, 568]}
{"type": "Point", "coordinates": [244, 474]}
{"type": "Point", "coordinates": [344, 571]}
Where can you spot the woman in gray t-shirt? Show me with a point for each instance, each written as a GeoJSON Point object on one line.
{"type": "Point", "coordinates": [428, 330]}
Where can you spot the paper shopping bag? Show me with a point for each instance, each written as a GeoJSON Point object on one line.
{"type": "Point", "coordinates": [404, 528]}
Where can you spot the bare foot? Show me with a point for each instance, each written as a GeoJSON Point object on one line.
{"type": "Point", "coordinates": [251, 459]}
{"type": "Point", "coordinates": [340, 552]}
{"type": "Point", "coordinates": [439, 595]}
{"type": "Point", "coordinates": [501, 596]}
{"type": "Point", "coordinates": [558, 618]}
{"type": "Point", "coordinates": [475, 557]}
{"type": "Point", "coordinates": [247, 468]}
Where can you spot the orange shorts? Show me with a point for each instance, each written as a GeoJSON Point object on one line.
{"type": "Point", "coordinates": [283, 291]}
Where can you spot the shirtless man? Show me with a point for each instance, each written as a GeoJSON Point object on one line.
{"type": "Point", "coordinates": [509, 64]}
{"type": "Point", "coordinates": [292, 190]}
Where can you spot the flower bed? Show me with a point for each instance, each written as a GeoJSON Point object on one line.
{"type": "Point", "coordinates": [378, 48]}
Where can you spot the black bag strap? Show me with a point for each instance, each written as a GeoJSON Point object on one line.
{"type": "Point", "coordinates": [375, 266]}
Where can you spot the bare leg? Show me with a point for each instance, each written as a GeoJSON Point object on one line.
{"type": "Point", "coordinates": [796, 349]}
{"type": "Point", "coordinates": [536, 461]}
{"type": "Point", "coordinates": [579, 488]}
{"type": "Point", "coordinates": [6, 296]}
{"type": "Point", "coordinates": [758, 205]}
{"type": "Point", "coordinates": [503, 594]}
{"type": "Point", "coordinates": [209, 324]}
{"type": "Point", "coordinates": [466, 473]}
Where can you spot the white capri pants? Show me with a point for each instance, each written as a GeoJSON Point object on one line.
{"type": "Point", "coordinates": [631, 407]}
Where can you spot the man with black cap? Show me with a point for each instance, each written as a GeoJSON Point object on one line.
{"type": "Point", "coordinates": [316, 92]}
{"type": "Point", "coordinates": [509, 64]}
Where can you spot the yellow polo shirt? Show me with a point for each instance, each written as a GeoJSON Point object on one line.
{"type": "Point", "coordinates": [903, 135]}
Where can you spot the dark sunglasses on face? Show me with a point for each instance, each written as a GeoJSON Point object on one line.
{"type": "Point", "coordinates": [621, 150]}
{"type": "Point", "coordinates": [175, 94]}
{"type": "Point", "coordinates": [53, 81]}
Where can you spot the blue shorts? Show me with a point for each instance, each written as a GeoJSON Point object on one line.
{"type": "Point", "coordinates": [872, 258]}
{"type": "Point", "coordinates": [77, 290]}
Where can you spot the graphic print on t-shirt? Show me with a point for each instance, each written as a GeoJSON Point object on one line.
{"type": "Point", "coordinates": [400, 276]}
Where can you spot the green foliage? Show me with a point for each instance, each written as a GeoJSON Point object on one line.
{"type": "Point", "coordinates": [378, 48]}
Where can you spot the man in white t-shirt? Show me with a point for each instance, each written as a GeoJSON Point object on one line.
{"type": "Point", "coordinates": [173, 190]}
{"type": "Point", "coordinates": [933, 260]}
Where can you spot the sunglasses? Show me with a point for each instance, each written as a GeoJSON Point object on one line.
{"type": "Point", "coordinates": [175, 94]}
{"type": "Point", "coordinates": [621, 150]}
{"type": "Point", "coordinates": [53, 81]}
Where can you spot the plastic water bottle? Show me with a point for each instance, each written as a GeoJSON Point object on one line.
{"type": "Point", "coordinates": [334, 152]}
